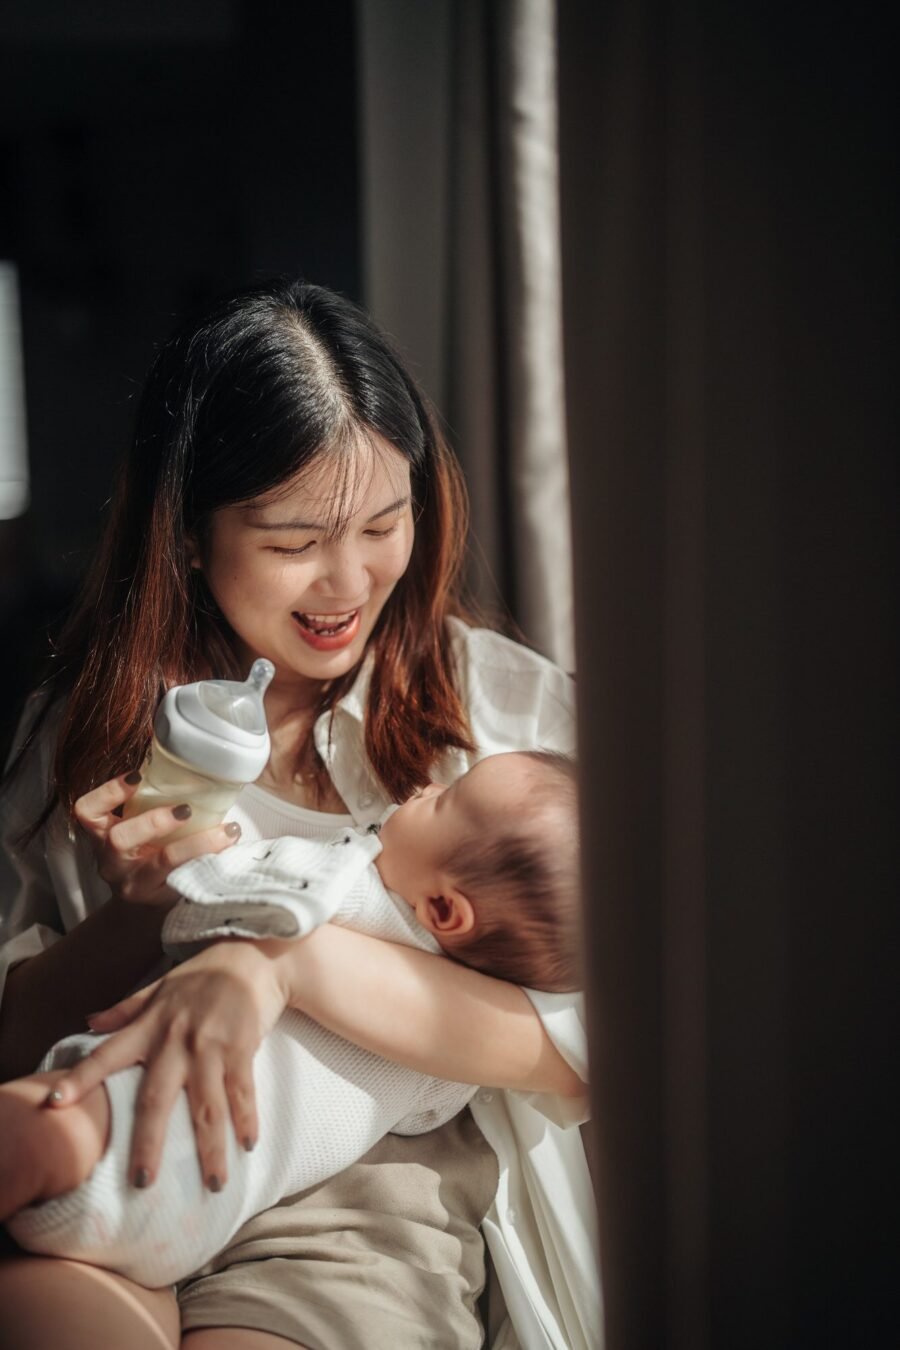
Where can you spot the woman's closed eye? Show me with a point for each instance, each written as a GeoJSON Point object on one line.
{"type": "Point", "coordinates": [291, 552]}
{"type": "Point", "coordinates": [304, 548]}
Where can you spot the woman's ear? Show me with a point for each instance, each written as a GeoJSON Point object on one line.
{"type": "Point", "coordinates": [449, 916]}
{"type": "Point", "coordinates": [192, 548]}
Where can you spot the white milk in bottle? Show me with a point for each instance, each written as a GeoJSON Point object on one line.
{"type": "Point", "coordinates": [209, 740]}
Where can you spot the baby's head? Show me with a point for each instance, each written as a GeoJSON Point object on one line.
{"type": "Point", "coordinates": [490, 865]}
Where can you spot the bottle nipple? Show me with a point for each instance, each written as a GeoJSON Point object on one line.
{"type": "Point", "coordinates": [239, 704]}
{"type": "Point", "coordinates": [260, 676]}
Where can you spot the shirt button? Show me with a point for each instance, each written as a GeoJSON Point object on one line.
{"type": "Point", "coordinates": [512, 1215]}
{"type": "Point", "coordinates": [366, 800]}
{"type": "Point", "coordinates": [485, 1097]}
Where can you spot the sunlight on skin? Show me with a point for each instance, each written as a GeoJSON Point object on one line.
{"type": "Point", "coordinates": [129, 1295]}
{"type": "Point", "coordinates": [50, 1301]}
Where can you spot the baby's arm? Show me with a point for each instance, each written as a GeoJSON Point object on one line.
{"type": "Point", "coordinates": [322, 1103]}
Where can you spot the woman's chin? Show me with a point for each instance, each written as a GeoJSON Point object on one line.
{"type": "Point", "coordinates": [311, 664]}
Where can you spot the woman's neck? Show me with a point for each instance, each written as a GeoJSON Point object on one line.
{"type": "Point", "coordinates": [291, 735]}
{"type": "Point", "coordinates": [290, 772]}
{"type": "Point", "coordinates": [292, 704]}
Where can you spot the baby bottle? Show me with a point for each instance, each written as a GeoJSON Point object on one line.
{"type": "Point", "coordinates": [209, 739]}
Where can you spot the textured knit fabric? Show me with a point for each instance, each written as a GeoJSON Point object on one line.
{"type": "Point", "coordinates": [278, 888]}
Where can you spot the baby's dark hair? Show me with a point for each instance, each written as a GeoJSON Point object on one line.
{"type": "Point", "coordinates": [523, 881]}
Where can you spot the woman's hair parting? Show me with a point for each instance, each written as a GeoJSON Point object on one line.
{"type": "Point", "coordinates": [237, 404]}
{"type": "Point", "coordinates": [523, 879]}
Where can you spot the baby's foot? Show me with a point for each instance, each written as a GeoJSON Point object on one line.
{"type": "Point", "coordinates": [46, 1152]}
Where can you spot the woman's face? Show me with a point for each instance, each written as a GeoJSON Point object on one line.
{"type": "Point", "coordinates": [290, 589]}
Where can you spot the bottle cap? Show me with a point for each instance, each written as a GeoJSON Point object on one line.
{"type": "Point", "coordinates": [219, 726]}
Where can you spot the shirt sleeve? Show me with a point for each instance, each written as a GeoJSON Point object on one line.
{"type": "Point", "coordinates": [562, 1016]}
{"type": "Point", "coordinates": [515, 698]}
{"type": "Point", "coordinates": [30, 919]}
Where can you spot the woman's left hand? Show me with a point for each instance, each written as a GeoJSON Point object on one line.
{"type": "Point", "coordinates": [197, 1028]}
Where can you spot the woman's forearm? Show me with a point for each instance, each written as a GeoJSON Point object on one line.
{"type": "Point", "coordinates": [424, 1011]}
{"type": "Point", "coordinates": [49, 995]}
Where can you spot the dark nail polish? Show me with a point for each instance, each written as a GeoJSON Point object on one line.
{"type": "Point", "coordinates": [249, 1144]}
{"type": "Point", "coordinates": [214, 1183]}
{"type": "Point", "coordinates": [233, 830]}
{"type": "Point", "coordinates": [182, 812]}
{"type": "Point", "coordinates": [133, 778]}
{"type": "Point", "coordinates": [141, 1178]}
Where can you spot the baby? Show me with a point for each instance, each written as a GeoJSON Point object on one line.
{"type": "Point", "coordinates": [485, 870]}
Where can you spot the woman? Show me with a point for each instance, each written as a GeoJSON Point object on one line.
{"type": "Point", "coordinates": [287, 495]}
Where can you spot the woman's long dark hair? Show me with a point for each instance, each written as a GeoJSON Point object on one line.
{"type": "Point", "coordinates": [237, 403]}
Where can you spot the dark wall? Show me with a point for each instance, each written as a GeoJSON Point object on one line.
{"type": "Point", "coordinates": [147, 162]}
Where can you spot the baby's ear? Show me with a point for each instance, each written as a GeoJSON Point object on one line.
{"type": "Point", "coordinates": [449, 916]}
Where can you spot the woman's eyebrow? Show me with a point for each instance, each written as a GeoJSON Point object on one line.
{"type": "Point", "coordinates": [284, 524]}
{"type": "Point", "coordinates": [388, 510]}
{"type": "Point", "coordinates": [315, 524]}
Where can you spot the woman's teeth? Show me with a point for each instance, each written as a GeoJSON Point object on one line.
{"type": "Point", "coordinates": [328, 625]}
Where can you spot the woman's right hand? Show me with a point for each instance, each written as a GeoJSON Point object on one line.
{"type": "Point", "coordinates": [132, 855]}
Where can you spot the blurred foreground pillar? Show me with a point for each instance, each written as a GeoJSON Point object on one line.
{"type": "Point", "coordinates": [729, 218]}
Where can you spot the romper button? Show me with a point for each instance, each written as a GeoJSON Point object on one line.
{"type": "Point", "coordinates": [512, 1215]}
{"type": "Point", "coordinates": [485, 1097]}
{"type": "Point", "coordinates": [366, 800]}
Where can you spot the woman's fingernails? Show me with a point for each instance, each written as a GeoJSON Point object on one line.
{"type": "Point", "coordinates": [182, 812]}
{"type": "Point", "coordinates": [141, 1178]}
{"type": "Point", "coordinates": [249, 1144]}
{"type": "Point", "coordinates": [214, 1183]}
{"type": "Point", "coordinates": [53, 1098]}
{"type": "Point", "coordinates": [133, 778]}
{"type": "Point", "coordinates": [233, 830]}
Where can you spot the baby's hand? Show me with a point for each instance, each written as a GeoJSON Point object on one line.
{"type": "Point", "coordinates": [46, 1153]}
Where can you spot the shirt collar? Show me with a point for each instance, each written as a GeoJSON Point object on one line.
{"type": "Point", "coordinates": [353, 704]}
{"type": "Point", "coordinates": [354, 701]}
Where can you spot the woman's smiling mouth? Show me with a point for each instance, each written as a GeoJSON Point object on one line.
{"type": "Point", "coordinates": [327, 632]}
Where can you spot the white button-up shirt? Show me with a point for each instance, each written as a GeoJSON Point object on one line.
{"type": "Point", "coordinates": [540, 1228]}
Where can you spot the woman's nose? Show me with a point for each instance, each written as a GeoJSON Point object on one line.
{"type": "Point", "coordinates": [343, 575]}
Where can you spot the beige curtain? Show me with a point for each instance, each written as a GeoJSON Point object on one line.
{"type": "Point", "coordinates": [462, 266]}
